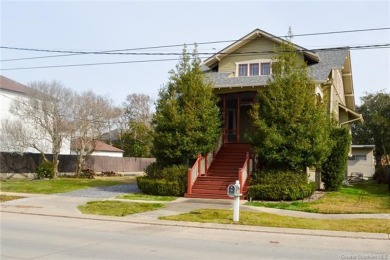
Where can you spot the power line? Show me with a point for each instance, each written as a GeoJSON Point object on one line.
{"type": "Point", "coordinates": [91, 64]}
{"type": "Point", "coordinates": [121, 51]}
{"type": "Point", "coordinates": [361, 47]}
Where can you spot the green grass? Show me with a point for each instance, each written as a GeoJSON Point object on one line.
{"type": "Point", "coordinates": [366, 197]}
{"type": "Point", "coordinates": [58, 185]}
{"type": "Point", "coordinates": [4, 198]}
{"type": "Point", "coordinates": [117, 208]}
{"type": "Point", "coordinates": [141, 196]}
{"type": "Point", "coordinates": [272, 220]}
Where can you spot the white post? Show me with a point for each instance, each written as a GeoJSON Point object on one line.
{"type": "Point", "coordinates": [236, 205]}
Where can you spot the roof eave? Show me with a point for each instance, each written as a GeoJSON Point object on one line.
{"type": "Point", "coordinates": [209, 62]}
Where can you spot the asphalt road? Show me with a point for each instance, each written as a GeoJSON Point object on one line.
{"type": "Point", "coordinates": [25, 236]}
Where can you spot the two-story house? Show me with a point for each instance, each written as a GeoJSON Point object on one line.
{"type": "Point", "coordinates": [10, 92]}
{"type": "Point", "coordinates": [238, 72]}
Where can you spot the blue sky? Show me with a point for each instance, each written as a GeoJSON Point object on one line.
{"type": "Point", "coordinates": [110, 25]}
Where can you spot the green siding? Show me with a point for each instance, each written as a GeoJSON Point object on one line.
{"type": "Point", "coordinates": [228, 63]}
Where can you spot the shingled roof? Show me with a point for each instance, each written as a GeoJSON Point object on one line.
{"type": "Point", "coordinates": [329, 59]}
{"type": "Point", "coordinates": [100, 146]}
{"type": "Point", "coordinates": [9, 84]}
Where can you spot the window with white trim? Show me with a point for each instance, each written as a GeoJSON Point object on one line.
{"type": "Point", "coordinates": [253, 68]}
{"type": "Point", "coordinates": [266, 68]}
{"type": "Point", "coordinates": [243, 70]}
{"type": "Point", "coordinates": [358, 157]}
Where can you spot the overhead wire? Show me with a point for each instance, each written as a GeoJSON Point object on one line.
{"type": "Point", "coordinates": [113, 52]}
{"type": "Point", "coordinates": [374, 46]}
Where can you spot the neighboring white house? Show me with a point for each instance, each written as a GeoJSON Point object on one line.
{"type": "Point", "coordinates": [361, 163]}
{"type": "Point", "coordinates": [12, 91]}
{"type": "Point", "coordinates": [9, 91]}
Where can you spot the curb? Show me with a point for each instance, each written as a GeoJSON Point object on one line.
{"type": "Point", "coordinates": [233, 227]}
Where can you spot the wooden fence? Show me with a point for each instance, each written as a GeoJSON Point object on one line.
{"type": "Point", "coordinates": [26, 163]}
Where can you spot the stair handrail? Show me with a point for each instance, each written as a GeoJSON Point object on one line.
{"type": "Point", "coordinates": [201, 165]}
{"type": "Point", "coordinates": [243, 172]}
{"type": "Point", "coordinates": [211, 155]}
{"type": "Point", "coordinates": [193, 173]}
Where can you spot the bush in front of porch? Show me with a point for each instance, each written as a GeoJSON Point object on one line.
{"type": "Point", "coordinates": [168, 181]}
{"type": "Point", "coordinates": [277, 185]}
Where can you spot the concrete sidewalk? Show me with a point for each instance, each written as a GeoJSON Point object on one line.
{"type": "Point", "coordinates": [66, 206]}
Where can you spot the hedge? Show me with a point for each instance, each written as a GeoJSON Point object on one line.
{"type": "Point", "coordinates": [280, 185]}
{"type": "Point", "coordinates": [335, 166]}
{"type": "Point", "coordinates": [159, 187]}
{"type": "Point", "coordinates": [169, 181]}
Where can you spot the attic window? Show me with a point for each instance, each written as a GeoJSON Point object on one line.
{"type": "Point", "coordinates": [243, 70]}
{"type": "Point", "coordinates": [257, 68]}
{"type": "Point", "coordinates": [266, 68]}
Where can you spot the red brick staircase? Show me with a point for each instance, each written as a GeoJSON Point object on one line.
{"type": "Point", "coordinates": [222, 172]}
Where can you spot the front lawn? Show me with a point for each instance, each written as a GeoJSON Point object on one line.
{"type": "Point", "coordinates": [59, 185]}
{"type": "Point", "coordinates": [141, 196]}
{"type": "Point", "coordinates": [117, 208]}
{"type": "Point", "coordinates": [272, 220]}
{"type": "Point", "coordinates": [365, 197]}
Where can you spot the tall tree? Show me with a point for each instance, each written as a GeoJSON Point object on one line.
{"type": "Point", "coordinates": [91, 117]}
{"type": "Point", "coordinates": [135, 135]}
{"type": "Point", "coordinates": [187, 120]}
{"type": "Point", "coordinates": [375, 109]}
{"type": "Point", "coordinates": [43, 120]}
{"type": "Point", "coordinates": [291, 129]}
{"type": "Point", "coordinates": [138, 108]}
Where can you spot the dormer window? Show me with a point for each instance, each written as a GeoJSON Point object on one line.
{"type": "Point", "coordinates": [256, 68]}
{"type": "Point", "coordinates": [243, 70]}
{"type": "Point", "coordinates": [265, 68]}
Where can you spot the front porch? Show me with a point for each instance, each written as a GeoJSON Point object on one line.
{"type": "Point", "coordinates": [231, 161]}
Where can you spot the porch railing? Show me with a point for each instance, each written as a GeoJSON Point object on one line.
{"type": "Point", "coordinates": [201, 166]}
{"type": "Point", "coordinates": [243, 173]}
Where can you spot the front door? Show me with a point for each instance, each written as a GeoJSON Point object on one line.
{"type": "Point", "coordinates": [234, 109]}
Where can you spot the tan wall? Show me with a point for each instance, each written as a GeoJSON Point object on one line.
{"type": "Point", "coordinates": [338, 86]}
{"type": "Point", "coordinates": [228, 63]}
{"type": "Point", "coordinates": [343, 116]}
{"type": "Point", "coordinates": [367, 167]}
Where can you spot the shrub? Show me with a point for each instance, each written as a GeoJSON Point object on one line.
{"type": "Point", "coordinates": [380, 175]}
{"type": "Point", "coordinates": [159, 187]}
{"type": "Point", "coordinates": [335, 166]}
{"type": "Point", "coordinates": [169, 181]}
{"type": "Point", "coordinates": [108, 174]}
{"type": "Point", "coordinates": [177, 173]}
{"type": "Point", "coordinates": [280, 185]}
{"type": "Point", "coordinates": [153, 171]}
{"type": "Point", "coordinates": [87, 173]}
{"type": "Point", "coordinates": [45, 170]}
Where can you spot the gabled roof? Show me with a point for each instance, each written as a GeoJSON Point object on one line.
{"type": "Point", "coordinates": [100, 146]}
{"type": "Point", "coordinates": [257, 33]}
{"type": "Point", "coordinates": [103, 147]}
{"type": "Point", "coordinates": [9, 84]}
{"type": "Point", "coordinates": [329, 59]}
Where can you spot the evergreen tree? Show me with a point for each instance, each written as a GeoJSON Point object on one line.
{"type": "Point", "coordinates": [187, 119]}
{"type": "Point", "coordinates": [375, 109]}
{"type": "Point", "coordinates": [291, 129]}
{"type": "Point", "coordinates": [334, 167]}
